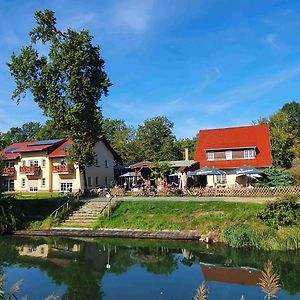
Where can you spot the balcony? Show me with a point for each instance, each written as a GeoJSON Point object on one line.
{"type": "Point", "coordinates": [8, 171]}
{"type": "Point", "coordinates": [63, 169]}
{"type": "Point", "coordinates": [30, 170]}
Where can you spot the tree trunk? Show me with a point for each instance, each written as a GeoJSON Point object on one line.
{"type": "Point", "coordinates": [83, 172]}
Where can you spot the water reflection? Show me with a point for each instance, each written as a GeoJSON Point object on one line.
{"type": "Point", "coordinates": [108, 268]}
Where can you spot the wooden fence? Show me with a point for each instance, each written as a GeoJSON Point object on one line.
{"type": "Point", "coordinates": [217, 192]}
{"type": "Point", "coordinates": [245, 192]}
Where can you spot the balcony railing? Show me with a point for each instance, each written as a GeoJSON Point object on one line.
{"type": "Point", "coordinates": [30, 170]}
{"type": "Point", "coordinates": [8, 171]}
{"type": "Point", "coordinates": [63, 169]}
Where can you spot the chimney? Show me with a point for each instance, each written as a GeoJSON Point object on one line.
{"type": "Point", "coordinates": [186, 153]}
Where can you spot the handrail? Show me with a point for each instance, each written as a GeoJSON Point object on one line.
{"type": "Point", "coordinates": [106, 204]}
{"type": "Point", "coordinates": [66, 204]}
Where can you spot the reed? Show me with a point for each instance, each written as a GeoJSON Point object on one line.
{"type": "Point", "coordinates": [202, 292]}
{"type": "Point", "coordinates": [270, 281]}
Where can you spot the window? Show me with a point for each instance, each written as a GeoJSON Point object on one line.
{"type": "Point", "coordinates": [106, 163]}
{"type": "Point", "coordinates": [43, 163]}
{"type": "Point", "coordinates": [106, 181]}
{"type": "Point", "coordinates": [9, 164]}
{"type": "Point", "coordinates": [33, 189]}
{"type": "Point", "coordinates": [66, 186]}
{"type": "Point", "coordinates": [97, 180]}
{"type": "Point", "coordinates": [63, 162]}
{"type": "Point", "coordinates": [221, 178]}
{"type": "Point", "coordinates": [210, 155]}
{"type": "Point", "coordinates": [96, 163]}
{"type": "Point", "coordinates": [43, 182]}
{"type": "Point", "coordinates": [228, 155]}
{"type": "Point", "coordinates": [249, 153]}
{"type": "Point", "coordinates": [23, 182]}
{"type": "Point", "coordinates": [89, 181]}
{"type": "Point", "coordinates": [9, 185]}
{"type": "Point", "coordinates": [23, 163]}
{"type": "Point", "coordinates": [34, 163]}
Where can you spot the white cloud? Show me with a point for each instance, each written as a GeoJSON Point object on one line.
{"type": "Point", "coordinates": [272, 40]}
{"type": "Point", "coordinates": [135, 15]}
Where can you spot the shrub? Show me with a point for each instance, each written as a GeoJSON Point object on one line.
{"type": "Point", "coordinates": [283, 212]}
{"type": "Point", "coordinates": [276, 177]}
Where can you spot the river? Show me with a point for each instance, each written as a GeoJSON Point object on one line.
{"type": "Point", "coordinates": [139, 269]}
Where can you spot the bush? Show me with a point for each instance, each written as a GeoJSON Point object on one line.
{"type": "Point", "coordinates": [283, 212]}
{"type": "Point", "coordinates": [276, 177]}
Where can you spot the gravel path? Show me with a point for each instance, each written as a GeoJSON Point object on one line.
{"type": "Point", "coordinates": [195, 199]}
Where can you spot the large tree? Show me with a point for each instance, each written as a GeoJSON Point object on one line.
{"type": "Point", "coordinates": [66, 83]}
{"type": "Point", "coordinates": [155, 140]}
{"type": "Point", "coordinates": [121, 138]}
{"type": "Point", "coordinates": [285, 134]}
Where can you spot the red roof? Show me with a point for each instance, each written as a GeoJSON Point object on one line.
{"type": "Point", "coordinates": [14, 151]}
{"type": "Point", "coordinates": [257, 136]}
{"type": "Point", "coordinates": [61, 150]}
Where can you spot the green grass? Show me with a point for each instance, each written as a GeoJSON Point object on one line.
{"type": "Point", "coordinates": [178, 215]}
{"type": "Point", "coordinates": [36, 196]}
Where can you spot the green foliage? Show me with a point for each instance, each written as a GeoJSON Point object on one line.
{"type": "Point", "coordinates": [121, 138]}
{"type": "Point", "coordinates": [285, 134]}
{"type": "Point", "coordinates": [295, 170]}
{"type": "Point", "coordinates": [67, 83]}
{"type": "Point", "coordinates": [283, 212]}
{"type": "Point", "coordinates": [155, 140]}
{"type": "Point", "coordinates": [266, 238]}
{"type": "Point", "coordinates": [11, 217]}
{"type": "Point", "coordinates": [161, 169]}
{"type": "Point", "coordinates": [276, 177]}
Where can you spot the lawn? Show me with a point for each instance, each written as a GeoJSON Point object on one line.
{"type": "Point", "coordinates": [177, 215]}
{"type": "Point", "coordinates": [37, 206]}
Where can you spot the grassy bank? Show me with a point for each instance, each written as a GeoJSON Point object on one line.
{"type": "Point", "coordinates": [237, 224]}
{"type": "Point", "coordinates": [177, 215]}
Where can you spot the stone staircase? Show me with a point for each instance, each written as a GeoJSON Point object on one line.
{"type": "Point", "coordinates": [86, 215]}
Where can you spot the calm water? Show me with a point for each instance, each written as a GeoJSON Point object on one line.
{"type": "Point", "coordinates": [132, 269]}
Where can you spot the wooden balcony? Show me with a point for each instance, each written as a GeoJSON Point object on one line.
{"type": "Point", "coordinates": [63, 169]}
{"type": "Point", "coordinates": [8, 171]}
{"type": "Point", "coordinates": [30, 170]}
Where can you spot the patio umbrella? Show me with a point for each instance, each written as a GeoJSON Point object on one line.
{"type": "Point", "coordinates": [246, 170]}
{"type": "Point", "coordinates": [130, 174]}
{"type": "Point", "coordinates": [207, 171]}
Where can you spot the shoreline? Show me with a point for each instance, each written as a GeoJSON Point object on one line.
{"type": "Point", "coordinates": [114, 233]}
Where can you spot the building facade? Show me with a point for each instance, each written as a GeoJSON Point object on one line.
{"type": "Point", "coordinates": [42, 166]}
{"type": "Point", "coordinates": [232, 148]}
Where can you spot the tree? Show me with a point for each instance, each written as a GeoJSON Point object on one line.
{"type": "Point", "coordinates": [121, 138]}
{"type": "Point", "coordinates": [182, 144]}
{"type": "Point", "coordinates": [292, 110]}
{"type": "Point", "coordinates": [67, 83]}
{"type": "Point", "coordinates": [155, 140]}
{"type": "Point", "coordinates": [295, 170]}
{"type": "Point", "coordinates": [276, 177]}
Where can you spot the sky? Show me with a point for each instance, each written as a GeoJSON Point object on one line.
{"type": "Point", "coordinates": [202, 63]}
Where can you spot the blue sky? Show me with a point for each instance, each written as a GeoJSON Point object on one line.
{"type": "Point", "coordinates": [202, 63]}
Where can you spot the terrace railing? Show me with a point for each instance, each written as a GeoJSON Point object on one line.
{"type": "Point", "coordinates": [8, 171]}
{"type": "Point", "coordinates": [30, 170]}
{"type": "Point", "coordinates": [63, 169]}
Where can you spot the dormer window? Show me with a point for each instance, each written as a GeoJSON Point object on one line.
{"type": "Point", "coordinates": [210, 155]}
{"type": "Point", "coordinates": [249, 153]}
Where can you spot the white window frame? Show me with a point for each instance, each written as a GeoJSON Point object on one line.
{"type": "Point", "coordinates": [33, 162]}
{"type": "Point", "coordinates": [97, 180]}
{"type": "Point", "coordinates": [96, 162]}
{"type": "Point", "coordinates": [44, 162]}
{"type": "Point", "coordinates": [23, 183]}
{"type": "Point", "coordinates": [210, 155]}
{"type": "Point", "coordinates": [249, 154]}
{"type": "Point", "coordinates": [33, 189]}
{"type": "Point", "coordinates": [23, 163]}
{"type": "Point", "coordinates": [65, 186]}
{"type": "Point", "coordinates": [221, 178]}
{"type": "Point", "coordinates": [228, 154]}
{"type": "Point", "coordinates": [43, 182]}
